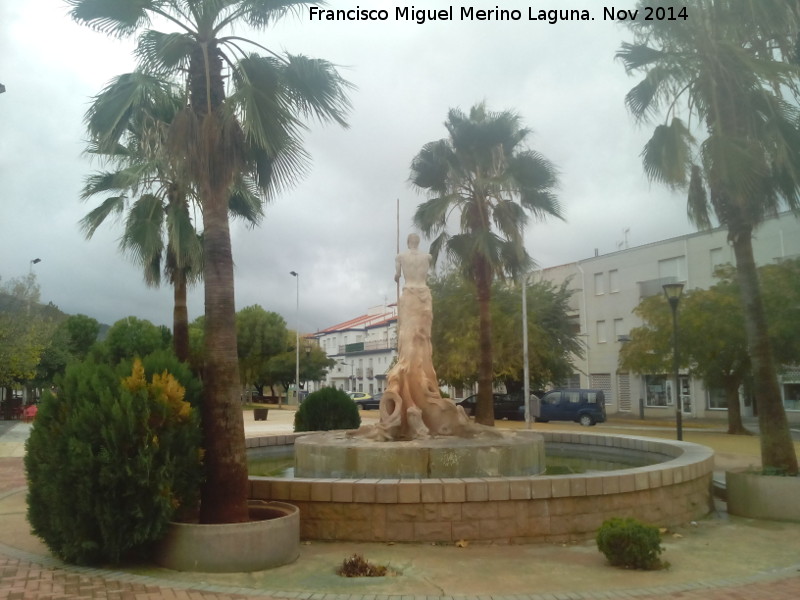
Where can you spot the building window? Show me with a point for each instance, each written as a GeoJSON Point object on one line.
{"type": "Point", "coordinates": [619, 329]}
{"type": "Point", "coordinates": [613, 281]}
{"type": "Point", "coordinates": [717, 258]}
{"type": "Point", "coordinates": [717, 399]}
{"type": "Point", "coordinates": [672, 268]}
{"type": "Point", "coordinates": [656, 389]}
{"type": "Point", "coordinates": [601, 332]}
{"type": "Point", "coordinates": [624, 392]}
{"type": "Point", "coordinates": [602, 381]}
{"type": "Point", "coordinates": [599, 288]}
{"type": "Point", "coordinates": [791, 395]}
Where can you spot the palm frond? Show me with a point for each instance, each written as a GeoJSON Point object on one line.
{"type": "Point", "coordinates": [315, 89]}
{"type": "Point", "coordinates": [164, 53]}
{"type": "Point", "coordinates": [113, 205]}
{"type": "Point", "coordinates": [118, 18]}
{"type": "Point", "coordinates": [667, 155]}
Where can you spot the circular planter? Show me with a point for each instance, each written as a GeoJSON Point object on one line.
{"type": "Point", "coordinates": [760, 496]}
{"type": "Point", "coordinates": [270, 539]}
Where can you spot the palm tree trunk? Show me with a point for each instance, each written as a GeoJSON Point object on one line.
{"type": "Point", "coordinates": [180, 317]}
{"type": "Point", "coordinates": [484, 408]}
{"type": "Point", "coordinates": [777, 449]}
{"type": "Point", "coordinates": [224, 494]}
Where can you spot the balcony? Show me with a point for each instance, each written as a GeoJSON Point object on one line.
{"type": "Point", "coordinates": [360, 347]}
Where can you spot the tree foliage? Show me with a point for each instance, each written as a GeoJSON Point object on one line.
{"type": "Point", "coordinates": [260, 335]}
{"type": "Point", "coordinates": [25, 330]}
{"type": "Point", "coordinates": [552, 342]}
{"type": "Point", "coordinates": [715, 349]}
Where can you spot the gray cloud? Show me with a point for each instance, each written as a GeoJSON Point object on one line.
{"type": "Point", "coordinates": [337, 227]}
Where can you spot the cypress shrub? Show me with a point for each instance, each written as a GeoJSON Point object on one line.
{"type": "Point", "coordinates": [326, 410]}
{"type": "Point", "coordinates": [630, 543]}
{"type": "Point", "coordinates": [110, 461]}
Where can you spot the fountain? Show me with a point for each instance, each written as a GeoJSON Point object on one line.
{"type": "Point", "coordinates": [419, 433]}
{"type": "Point", "coordinates": [426, 473]}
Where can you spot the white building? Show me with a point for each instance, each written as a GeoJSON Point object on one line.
{"type": "Point", "coordinates": [364, 349]}
{"type": "Point", "coordinates": [608, 287]}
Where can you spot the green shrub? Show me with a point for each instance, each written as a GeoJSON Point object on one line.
{"type": "Point", "coordinates": [325, 410]}
{"type": "Point", "coordinates": [111, 460]}
{"type": "Point", "coordinates": [630, 543]}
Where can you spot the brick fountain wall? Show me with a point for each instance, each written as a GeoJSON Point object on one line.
{"type": "Point", "coordinates": [537, 508]}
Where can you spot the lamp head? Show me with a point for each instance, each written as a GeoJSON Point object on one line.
{"type": "Point", "coordinates": [293, 273]}
{"type": "Point", "coordinates": [673, 292]}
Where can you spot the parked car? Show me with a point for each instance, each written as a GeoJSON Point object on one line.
{"type": "Point", "coordinates": [505, 406]}
{"type": "Point", "coordinates": [584, 406]}
{"type": "Point", "coordinates": [363, 400]}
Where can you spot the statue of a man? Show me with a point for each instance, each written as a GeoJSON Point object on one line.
{"type": "Point", "coordinates": [412, 406]}
{"type": "Point", "coordinates": [413, 264]}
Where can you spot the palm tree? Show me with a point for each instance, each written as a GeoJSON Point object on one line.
{"type": "Point", "coordinates": [243, 116]}
{"type": "Point", "coordinates": [483, 172]}
{"type": "Point", "coordinates": [729, 66]}
{"type": "Point", "coordinates": [159, 232]}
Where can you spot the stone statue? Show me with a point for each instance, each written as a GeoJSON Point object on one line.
{"type": "Point", "coordinates": [412, 406]}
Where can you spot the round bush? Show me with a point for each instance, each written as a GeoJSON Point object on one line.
{"type": "Point", "coordinates": [630, 543]}
{"type": "Point", "coordinates": [326, 410]}
{"type": "Point", "coordinates": [110, 461]}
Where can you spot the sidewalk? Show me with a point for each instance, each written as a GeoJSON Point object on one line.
{"type": "Point", "coordinates": [719, 558]}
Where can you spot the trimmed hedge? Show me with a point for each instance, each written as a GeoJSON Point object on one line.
{"type": "Point", "coordinates": [630, 543]}
{"type": "Point", "coordinates": [326, 410]}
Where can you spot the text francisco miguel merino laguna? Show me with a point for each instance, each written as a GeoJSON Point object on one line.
{"type": "Point", "coordinates": [470, 13]}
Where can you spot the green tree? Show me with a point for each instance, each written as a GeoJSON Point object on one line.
{"type": "Point", "coordinates": [714, 350]}
{"type": "Point", "coordinates": [729, 66]}
{"type": "Point", "coordinates": [131, 337]}
{"type": "Point", "coordinates": [260, 335]}
{"type": "Point", "coordinates": [24, 331]}
{"type": "Point", "coordinates": [251, 127]}
{"type": "Point", "coordinates": [82, 332]}
{"type": "Point", "coordinates": [551, 340]}
{"type": "Point", "coordinates": [483, 173]}
{"type": "Point", "coordinates": [159, 232]}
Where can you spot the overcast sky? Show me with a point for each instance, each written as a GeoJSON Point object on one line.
{"type": "Point", "coordinates": [337, 228]}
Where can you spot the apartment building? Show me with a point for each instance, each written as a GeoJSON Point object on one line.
{"type": "Point", "coordinates": [364, 349]}
{"type": "Point", "coordinates": [608, 287]}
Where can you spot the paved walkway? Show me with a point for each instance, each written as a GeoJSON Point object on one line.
{"type": "Point", "coordinates": [27, 571]}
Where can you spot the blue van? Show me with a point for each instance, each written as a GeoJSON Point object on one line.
{"type": "Point", "coordinates": [583, 406]}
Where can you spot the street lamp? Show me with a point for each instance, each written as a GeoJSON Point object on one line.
{"type": "Point", "coordinates": [526, 385]}
{"type": "Point", "coordinates": [296, 275]}
{"type": "Point", "coordinates": [35, 261]}
{"type": "Point", "coordinates": [673, 293]}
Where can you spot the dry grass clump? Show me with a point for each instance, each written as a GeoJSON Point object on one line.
{"type": "Point", "coordinates": [358, 566]}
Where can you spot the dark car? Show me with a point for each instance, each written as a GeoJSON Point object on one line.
{"type": "Point", "coordinates": [584, 406]}
{"type": "Point", "coordinates": [365, 401]}
{"type": "Point", "coordinates": [506, 406]}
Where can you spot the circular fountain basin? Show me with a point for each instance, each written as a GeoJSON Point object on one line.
{"type": "Point", "coordinates": [336, 455]}
{"type": "Point", "coordinates": [673, 490]}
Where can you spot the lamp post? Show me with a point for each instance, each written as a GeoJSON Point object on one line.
{"type": "Point", "coordinates": [296, 275]}
{"type": "Point", "coordinates": [34, 261]}
{"type": "Point", "coordinates": [673, 293]}
{"type": "Point", "coordinates": [526, 385]}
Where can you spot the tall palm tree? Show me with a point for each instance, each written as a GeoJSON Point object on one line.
{"type": "Point", "coordinates": [730, 66]}
{"type": "Point", "coordinates": [243, 116]}
{"type": "Point", "coordinates": [159, 232]}
{"type": "Point", "coordinates": [483, 172]}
